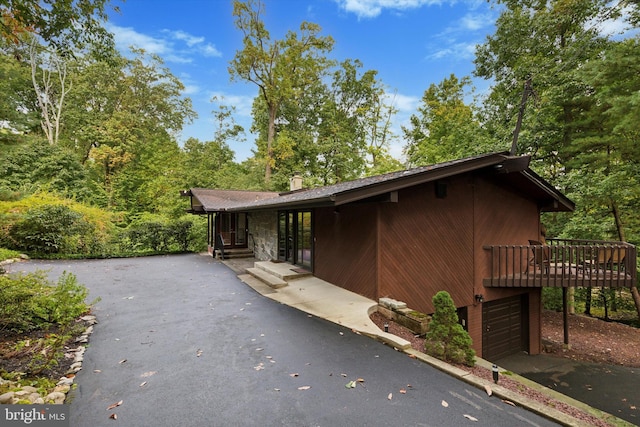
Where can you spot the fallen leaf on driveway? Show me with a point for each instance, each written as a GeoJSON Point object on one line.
{"type": "Point", "coordinates": [351, 384]}
{"type": "Point", "coordinates": [390, 396]}
{"type": "Point", "coordinates": [488, 390]}
{"type": "Point", "coordinates": [198, 353]}
{"type": "Point", "coordinates": [113, 416]}
{"type": "Point", "coordinates": [115, 405]}
{"type": "Point", "coordinates": [403, 391]}
{"type": "Point", "coordinates": [122, 361]}
{"type": "Point", "coordinates": [304, 387]}
{"type": "Point", "coordinates": [469, 417]}
{"type": "Point", "coordinates": [143, 384]}
{"type": "Point", "coordinates": [508, 402]}
{"type": "Point", "coordinates": [360, 380]}
{"type": "Point", "coordinates": [294, 375]}
{"type": "Point", "coordinates": [445, 404]}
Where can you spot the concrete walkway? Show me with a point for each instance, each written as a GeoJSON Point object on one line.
{"type": "Point", "coordinates": [324, 300]}
{"type": "Point", "coordinates": [338, 305]}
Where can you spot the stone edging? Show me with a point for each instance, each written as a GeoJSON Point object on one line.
{"type": "Point", "coordinates": [63, 386]}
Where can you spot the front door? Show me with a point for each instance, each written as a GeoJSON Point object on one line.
{"type": "Point", "coordinates": [233, 229]}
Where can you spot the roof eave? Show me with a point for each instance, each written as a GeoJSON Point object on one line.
{"type": "Point", "coordinates": [427, 176]}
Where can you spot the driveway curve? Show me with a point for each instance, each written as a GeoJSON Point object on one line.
{"type": "Point", "coordinates": [182, 342]}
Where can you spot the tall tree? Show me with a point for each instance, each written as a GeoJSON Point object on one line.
{"type": "Point", "coordinates": [379, 120]}
{"type": "Point", "coordinates": [544, 42]}
{"type": "Point", "coordinates": [446, 128]}
{"type": "Point", "coordinates": [121, 113]}
{"type": "Point", "coordinates": [62, 24]}
{"type": "Point", "coordinates": [18, 110]}
{"type": "Point", "coordinates": [51, 83]}
{"type": "Point", "coordinates": [578, 130]}
{"type": "Point", "coordinates": [210, 163]}
{"type": "Point", "coordinates": [279, 68]}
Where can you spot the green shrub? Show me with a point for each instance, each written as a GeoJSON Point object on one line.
{"type": "Point", "coordinates": [8, 254]}
{"type": "Point", "coordinates": [446, 339]}
{"type": "Point", "coordinates": [46, 229]}
{"type": "Point", "coordinates": [30, 301]}
{"type": "Point", "coordinates": [552, 299]}
{"type": "Point", "coordinates": [45, 224]}
{"type": "Point", "coordinates": [158, 234]}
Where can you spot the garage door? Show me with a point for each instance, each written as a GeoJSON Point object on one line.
{"type": "Point", "coordinates": [505, 327]}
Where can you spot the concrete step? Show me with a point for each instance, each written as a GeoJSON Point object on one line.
{"type": "Point", "coordinates": [235, 253]}
{"type": "Point", "coordinates": [283, 270]}
{"type": "Point", "coordinates": [271, 280]}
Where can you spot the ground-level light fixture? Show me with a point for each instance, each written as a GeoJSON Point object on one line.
{"type": "Point", "coordinates": [495, 372]}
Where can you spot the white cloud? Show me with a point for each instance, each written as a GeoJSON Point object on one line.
{"type": "Point", "coordinates": [458, 51]}
{"type": "Point", "coordinates": [373, 8]}
{"type": "Point", "coordinates": [476, 21]}
{"type": "Point", "coordinates": [125, 37]}
{"type": "Point", "coordinates": [242, 103]}
{"type": "Point", "coordinates": [172, 46]}
{"type": "Point", "coordinates": [190, 89]}
{"type": "Point", "coordinates": [210, 50]}
{"type": "Point", "coordinates": [187, 38]}
{"type": "Point", "coordinates": [615, 28]}
{"type": "Point", "coordinates": [459, 40]}
{"type": "Point", "coordinates": [404, 103]}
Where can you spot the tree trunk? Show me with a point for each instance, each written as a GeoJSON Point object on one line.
{"type": "Point", "coordinates": [587, 302]}
{"type": "Point", "coordinates": [271, 135]}
{"type": "Point", "coordinates": [621, 235]}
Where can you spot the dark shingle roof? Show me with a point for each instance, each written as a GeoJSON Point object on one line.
{"type": "Point", "coordinates": [222, 200]}
{"type": "Point", "coordinates": [359, 189]}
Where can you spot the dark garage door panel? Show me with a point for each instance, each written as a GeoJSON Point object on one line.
{"type": "Point", "coordinates": [504, 327]}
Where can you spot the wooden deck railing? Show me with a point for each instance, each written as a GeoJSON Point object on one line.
{"type": "Point", "coordinates": [562, 263]}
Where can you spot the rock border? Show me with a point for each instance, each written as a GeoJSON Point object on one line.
{"type": "Point", "coordinates": [28, 394]}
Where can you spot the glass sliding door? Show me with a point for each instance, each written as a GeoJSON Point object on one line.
{"type": "Point", "coordinates": [304, 239]}
{"type": "Point", "coordinates": [295, 237]}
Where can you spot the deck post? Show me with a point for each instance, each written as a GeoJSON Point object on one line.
{"type": "Point", "coordinates": [565, 316]}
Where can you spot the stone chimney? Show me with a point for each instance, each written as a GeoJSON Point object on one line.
{"type": "Point", "coordinates": [295, 182]}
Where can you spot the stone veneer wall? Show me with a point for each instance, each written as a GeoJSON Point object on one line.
{"type": "Point", "coordinates": [263, 226]}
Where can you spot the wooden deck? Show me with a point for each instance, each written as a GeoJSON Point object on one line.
{"type": "Point", "coordinates": [562, 263]}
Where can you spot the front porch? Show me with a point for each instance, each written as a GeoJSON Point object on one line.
{"type": "Point", "coordinates": [562, 263]}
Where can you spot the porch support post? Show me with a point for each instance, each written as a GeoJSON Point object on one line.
{"type": "Point", "coordinates": [565, 316]}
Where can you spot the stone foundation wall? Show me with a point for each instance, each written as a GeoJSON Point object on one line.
{"type": "Point", "coordinates": [263, 227]}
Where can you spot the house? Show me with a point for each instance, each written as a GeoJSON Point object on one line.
{"type": "Point", "coordinates": [462, 226]}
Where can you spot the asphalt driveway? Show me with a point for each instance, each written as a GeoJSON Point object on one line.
{"type": "Point", "coordinates": [182, 342]}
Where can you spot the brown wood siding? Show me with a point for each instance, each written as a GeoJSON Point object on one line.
{"type": "Point", "coordinates": [426, 245]}
{"type": "Point", "coordinates": [501, 218]}
{"type": "Point", "coordinates": [345, 247]}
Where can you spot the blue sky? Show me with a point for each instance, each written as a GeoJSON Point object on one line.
{"type": "Point", "coordinates": [411, 43]}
